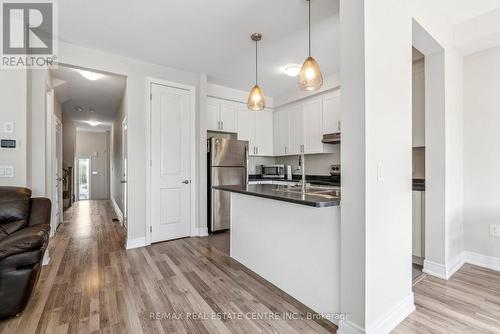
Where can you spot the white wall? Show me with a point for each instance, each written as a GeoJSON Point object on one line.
{"type": "Point", "coordinates": [116, 154]}
{"type": "Point", "coordinates": [137, 73]}
{"type": "Point", "coordinates": [376, 133]}
{"type": "Point", "coordinates": [14, 109]}
{"type": "Point", "coordinates": [481, 151]}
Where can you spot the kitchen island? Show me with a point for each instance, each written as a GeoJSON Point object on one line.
{"type": "Point", "coordinates": [290, 239]}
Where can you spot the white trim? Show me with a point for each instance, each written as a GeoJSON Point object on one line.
{"type": "Point", "coordinates": [349, 327]}
{"type": "Point", "coordinates": [393, 318]}
{"type": "Point", "coordinates": [194, 175]}
{"type": "Point", "coordinates": [117, 209]}
{"type": "Point", "coordinates": [444, 271]}
{"type": "Point", "coordinates": [136, 243]}
{"type": "Point", "coordinates": [481, 260]}
{"type": "Point", "coordinates": [386, 323]}
{"type": "Point", "coordinates": [202, 231]}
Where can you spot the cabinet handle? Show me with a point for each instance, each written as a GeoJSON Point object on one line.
{"type": "Point", "coordinates": [338, 125]}
{"type": "Point", "coordinates": [257, 149]}
{"type": "Point", "coordinates": [285, 150]}
{"type": "Point", "coordinates": [222, 125]}
{"type": "Point", "coordinates": [218, 125]}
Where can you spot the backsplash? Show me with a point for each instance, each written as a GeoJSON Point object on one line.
{"type": "Point", "coordinates": [316, 164]}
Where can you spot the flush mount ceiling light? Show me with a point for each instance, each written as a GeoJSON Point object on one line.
{"type": "Point", "coordinates": [310, 77]}
{"type": "Point", "coordinates": [93, 123]}
{"type": "Point", "coordinates": [91, 75]}
{"type": "Point", "coordinates": [256, 99]}
{"type": "Point", "coordinates": [292, 70]}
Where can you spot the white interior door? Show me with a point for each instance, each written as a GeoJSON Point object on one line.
{"type": "Point", "coordinates": [170, 162]}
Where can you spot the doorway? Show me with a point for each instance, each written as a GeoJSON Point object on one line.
{"type": "Point", "coordinates": [83, 178]}
{"type": "Point", "coordinates": [124, 172]}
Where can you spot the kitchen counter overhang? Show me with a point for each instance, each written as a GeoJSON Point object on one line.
{"type": "Point", "coordinates": [318, 199]}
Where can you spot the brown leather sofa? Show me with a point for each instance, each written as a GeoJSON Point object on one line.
{"type": "Point", "coordinates": [24, 235]}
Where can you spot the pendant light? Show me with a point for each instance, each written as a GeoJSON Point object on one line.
{"type": "Point", "coordinates": [310, 77]}
{"type": "Point", "coordinates": [256, 100]}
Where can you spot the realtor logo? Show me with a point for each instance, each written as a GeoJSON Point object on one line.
{"type": "Point", "coordinates": [27, 34]}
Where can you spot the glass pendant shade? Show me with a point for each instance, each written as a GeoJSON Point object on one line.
{"type": "Point", "coordinates": [256, 100]}
{"type": "Point", "coordinates": [310, 77]}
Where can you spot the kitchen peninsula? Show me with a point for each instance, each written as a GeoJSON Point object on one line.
{"type": "Point", "coordinates": [291, 239]}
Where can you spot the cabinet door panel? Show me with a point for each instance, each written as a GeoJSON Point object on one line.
{"type": "Point", "coordinates": [281, 133]}
{"type": "Point", "coordinates": [331, 114]}
{"type": "Point", "coordinates": [296, 129]}
{"type": "Point", "coordinates": [246, 128]}
{"type": "Point", "coordinates": [229, 116]}
{"type": "Point", "coordinates": [212, 114]}
{"type": "Point", "coordinates": [264, 133]}
{"type": "Point", "coordinates": [313, 126]}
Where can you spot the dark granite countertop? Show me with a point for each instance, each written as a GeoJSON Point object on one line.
{"type": "Point", "coordinates": [282, 193]}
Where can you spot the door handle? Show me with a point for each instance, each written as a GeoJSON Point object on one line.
{"type": "Point", "coordinates": [186, 181]}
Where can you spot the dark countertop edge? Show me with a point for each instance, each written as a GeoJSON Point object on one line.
{"type": "Point", "coordinates": [282, 199]}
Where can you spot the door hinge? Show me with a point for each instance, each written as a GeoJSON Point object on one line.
{"type": "Point", "coordinates": [150, 96]}
{"type": "Point", "coordinates": [151, 229]}
{"type": "Point", "coordinates": [150, 163]}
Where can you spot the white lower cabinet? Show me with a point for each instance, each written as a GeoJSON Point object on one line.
{"type": "Point", "coordinates": [257, 129]}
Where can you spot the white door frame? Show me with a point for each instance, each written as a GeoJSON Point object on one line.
{"type": "Point", "coordinates": [192, 134]}
{"type": "Point", "coordinates": [77, 174]}
{"type": "Point", "coordinates": [124, 167]}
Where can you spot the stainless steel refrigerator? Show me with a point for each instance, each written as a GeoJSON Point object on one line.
{"type": "Point", "coordinates": [227, 165]}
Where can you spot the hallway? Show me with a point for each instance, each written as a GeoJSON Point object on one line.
{"type": "Point", "coordinates": [93, 285]}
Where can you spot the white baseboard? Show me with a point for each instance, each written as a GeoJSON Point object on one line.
{"type": "Point", "coordinates": [393, 318]}
{"type": "Point", "coordinates": [384, 324]}
{"type": "Point", "coordinates": [444, 271]}
{"type": "Point", "coordinates": [484, 261]}
{"type": "Point", "coordinates": [136, 243]}
{"type": "Point", "coordinates": [201, 232]}
{"type": "Point", "coordinates": [349, 327]}
{"type": "Point", "coordinates": [117, 209]}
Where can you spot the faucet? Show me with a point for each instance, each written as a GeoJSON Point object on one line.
{"type": "Point", "coordinates": [302, 167]}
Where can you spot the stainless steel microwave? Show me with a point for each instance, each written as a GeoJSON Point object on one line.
{"type": "Point", "coordinates": [273, 171]}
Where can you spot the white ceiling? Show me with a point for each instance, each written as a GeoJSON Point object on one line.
{"type": "Point", "coordinates": [103, 96]}
{"type": "Point", "coordinates": [210, 36]}
{"type": "Point", "coordinates": [457, 11]}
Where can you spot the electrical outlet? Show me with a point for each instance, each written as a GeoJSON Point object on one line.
{"type": "Point", "coordinates": [6, 171]}
{"type": "Point", "coordinates": [495, 230]}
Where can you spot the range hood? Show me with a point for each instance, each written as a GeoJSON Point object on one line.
{"type": "Point", "coordinates": [331, 138]}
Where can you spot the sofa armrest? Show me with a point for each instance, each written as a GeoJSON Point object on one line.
{"type": "Point", "coordinates": [25, 240]}
{"type": "Point", "coordinates": [40, 211]}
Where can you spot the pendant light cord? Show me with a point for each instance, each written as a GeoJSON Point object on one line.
{"type": "Point", "coordinates": [256, 62]}
{"type": "Point", "coordinates": [309, 1]}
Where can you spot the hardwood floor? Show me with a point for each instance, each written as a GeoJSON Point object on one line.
{"type": "Point", "coordinates": [469, 302]}
{"type": "Point", "coordinates": [92, 285]}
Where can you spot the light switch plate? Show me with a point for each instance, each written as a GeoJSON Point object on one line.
{"type": "Point", "coordinates": [8, 127]}
{"type": "Point", "coordinates": [9, 171]}
{"type": "Point", "coordinates": [495, 230]}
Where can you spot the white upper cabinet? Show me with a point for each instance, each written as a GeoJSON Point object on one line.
{"type": "Point", "coordinates": [418, 105]}
{"type": "Point", "coordinates": [222, 115]}
{"type": "Point", "coordinates": [312, 115]}
{"type": "Point", "coordinates": [296, 126]}
{"type": "Point", "coordinates": [264, 140]}
{"type": "Point", "coordinates": [229, 116]}
{"type": "Point", "coordinates": [246, 127]}
{"type": "Point", "coordinates": [213, 123]}
{"type": "Point", "coordinates": [257, 129]}
{"type": "Point", "coordinates": [281, 133]}
{"type": "Point", "coordinates": [331, 112]}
